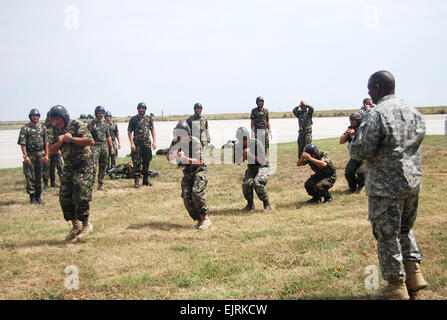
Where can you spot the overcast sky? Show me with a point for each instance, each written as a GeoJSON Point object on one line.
{"type": "Point", "coordinates": [172, 54]}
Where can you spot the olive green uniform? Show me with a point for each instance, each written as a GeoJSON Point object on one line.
{"type": "Point", "coordinates": [100, 132]}
{"type": "Point", "coordinates": [55, 161]}
{"type": "Point", "coordinates": [77, 180]}
{"type": "Point", "coordinates": [261, 119]}
{"type": "Point", "coordinates": [319, 183]}
{"type": "Point", "coordinates": [113, 133]}
{"type": "Point", "coordinates": [199, 128]}
{"type": "Point", "coordinates": [141, 126]}
{"type": "Point", "coordinates": [34, 139]}
{"type": "Point", "coordinates": [305, 127]}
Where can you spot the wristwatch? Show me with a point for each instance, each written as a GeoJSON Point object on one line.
{"type": "Point", "coordinates": [71, 140]}
{"type": "Point", "coordinates": [24, 156]}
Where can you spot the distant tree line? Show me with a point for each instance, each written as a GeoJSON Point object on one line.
{"type": "Point", "coordinates": [84, 116]}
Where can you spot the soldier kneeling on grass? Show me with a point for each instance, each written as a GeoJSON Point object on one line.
{"type": "Point", "coordinates": [318, 184]}
{"type": "Point", "coordinates": [187, 150]}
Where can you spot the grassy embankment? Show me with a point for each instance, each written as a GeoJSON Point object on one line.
{"type": "Point", "coordinates": [9, 125]}
{"type": "Point", "coordinates": [144, 246]}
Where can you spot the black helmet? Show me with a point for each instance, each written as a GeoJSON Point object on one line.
{"type": "Point", "coordinates": [311, 149]}
{"type": "Point", "coordinates": [98, 109]}
{"type": "Point", "coordinates": [242, 133]}
{"type": "Point", "coordinates": [259, 99]}
{"type": "Point", "coordinates": [181, 128]}
{"type": "Point", "coordinates": [141, 105]}
{"type": "Point", "coordinates": [33, 112]}
{"type": "Point", "coordinates": [107, 114]}
{"type": "Point", "coordinates": [198, 105]}
{"type": "Point", "coordinates": [356, 116]}
{"type": "Point", "coordinates": [59, 111]}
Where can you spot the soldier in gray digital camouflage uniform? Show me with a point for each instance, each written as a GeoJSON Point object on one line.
{"type": "Point", "coordinates": [103, 142]}
{"type": "Point", "coordinates": [389, 141]}
{"type": "Point", "coordinates": [141, 126]}
{"type": "Point", "coordinates": [74, 140]}
{"type": "Point", "coordinates": [188, 151]}
{"type": "Point", "coordinates": [304, 114]}
{"type": "Point", "coordinates": [33, 141]}
{"type": "Point", "coordinates": [258, 168]}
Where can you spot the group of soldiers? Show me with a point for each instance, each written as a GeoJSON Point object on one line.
{"type": "Point", "coordinates": [384, 144]}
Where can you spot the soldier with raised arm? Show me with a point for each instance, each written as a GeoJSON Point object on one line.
{"type": "Point", "coordinates": [304, 114]}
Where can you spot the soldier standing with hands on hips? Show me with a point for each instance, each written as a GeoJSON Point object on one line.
{"type": "Point", "coordinates": [33, 141]}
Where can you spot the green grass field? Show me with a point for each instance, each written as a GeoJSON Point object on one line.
{"type": "Point", "coordinates": [144, 247]}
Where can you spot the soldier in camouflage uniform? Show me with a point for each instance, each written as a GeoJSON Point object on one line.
{"type": "Point", "coordinates": [115, 135]}
{"type": "Point", "coordinates": [33, 141]}
{"type": "Point", "coordinates": [101, 135]}
{"type": "Point", "coordinates": [49, 168]}
{"type": "Point", "coordinates": [142, 126]}
{"type": "Point", "coordinates": [258, 168]}
{"type": "Point", "coordinates": [199, 125]}
{"type": "Point", "coordinates": [389, 141]}
{"type": "Point", "coordinates": [188, 151]}
{"type": "Point", "coordinates": [74, 140]}
{"type": "Point", "coordinates": [304, 114]}
{"type": "Point", "coordinates": [260, 124]}
{"type": "Point", "coordinates": [318, 184]}
{"type": "Point", "coordinates": [354, 173]}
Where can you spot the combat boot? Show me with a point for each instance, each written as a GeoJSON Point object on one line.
{"type": "Point", "coordinates": [146, 181]}
{"type": "Point", "coordinates": [250, 205]}
{"type": "Point", "coordinates": [414, 279]}
{"type": "Point", "coordinates": [77, 228]}
{"type": "Point", "coordinates": [267, 205]}
{"type": "Point", "coordinates": [54, 184]}
{"type": "Point", "coordinates": [327, 198]}
{"type": "Point", "coordinates": [87, 228]}
{"type": "Point", "coordinates": [45, 184]}
{"type": "Point", "coordinates": [101, 187]}
{"type": "Point", "coordinates": [137, 183]}
{"type": "Point", "coordinates": [205, 223]}
{"type": "Point", "coordinates": [38, 199]}
{"type": "Point", "coordinates": [32, 199]}
{"type": "Point", "coordinates": [393, 291]}
{"type": "Point", "coordinates": [314, 199]}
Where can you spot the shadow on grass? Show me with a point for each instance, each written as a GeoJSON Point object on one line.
{"type": "Point", "coordinates": [292, 205]}
{"type": "Point", "coordinates": [157, 225]}
{"type": "Point", "coordinates": [33, 243]}
{"type": "Point", "coordinates": [11, 202]}
{"type": "Point", "coordinates": [231, 212]}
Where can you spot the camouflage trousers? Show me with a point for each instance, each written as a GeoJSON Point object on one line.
{"type": "Point", "coordinates": [304, 138]}
{"type": "Point", "coordinates": [263, 136]}
{"type": "Point", "coordinates": [392, 221]}
{"type": "Point", "coordinates": [111, 163]}
{"type": "Point", "coordinates": [76, 193]}
{"type": "Point", "coordinates": [141, 158]}
{"type": "Point", "coordinates": [317, 186]}
{"type": "Point", "coordinates": [194, 182]}
{"type": "Point", "coordinates": [100, 159]}
{"type": "Point", "coordinates": [354, 175]}
{"type": "Point", "coordinates": [255, 178]}
{"type": "Point", "coordinates": [33, 174]}
{"type": "Point", "coordinates": [49, 168]}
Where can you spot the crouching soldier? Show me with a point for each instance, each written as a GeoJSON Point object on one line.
{"type": "Point", "coordinates": [257, 174]}
{"type": "Point", "coordinates": [187, 150]}
{"type": "Point", "coordinates": [318, 184]}
{"type": "Point", "coordinates": [73, 139]}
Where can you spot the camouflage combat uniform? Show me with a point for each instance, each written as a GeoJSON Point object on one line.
{"type": "Point", "coordinates": [194, 179]}
{"type": "Point", "coordinates": [257, 174]}
{"type": "Point", "coordinates": [261, 118]}
{"type": "Point", "coordinates": [34, 138]}
{"type": "Point", "coordinates": [200, 128]}
{"type": "Point", "coordinates": [354, 172]}
{"type": "Point", "coordinates": [389, 140]}
{"type": "Point", "coordinates": [141, 126]}
{"type": "Point", "coordinates": [305, 127]}
{"type": "Point", "coordinates": [319, 183]}
{"type": "Point", "coordinates": [77, 180]}
{"type": "Point", "coordinates": [55, 162]}
{"type": "Point", "coordinates": [100, 132]}
{"type": "Point", "coordinates": [113, 133]}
